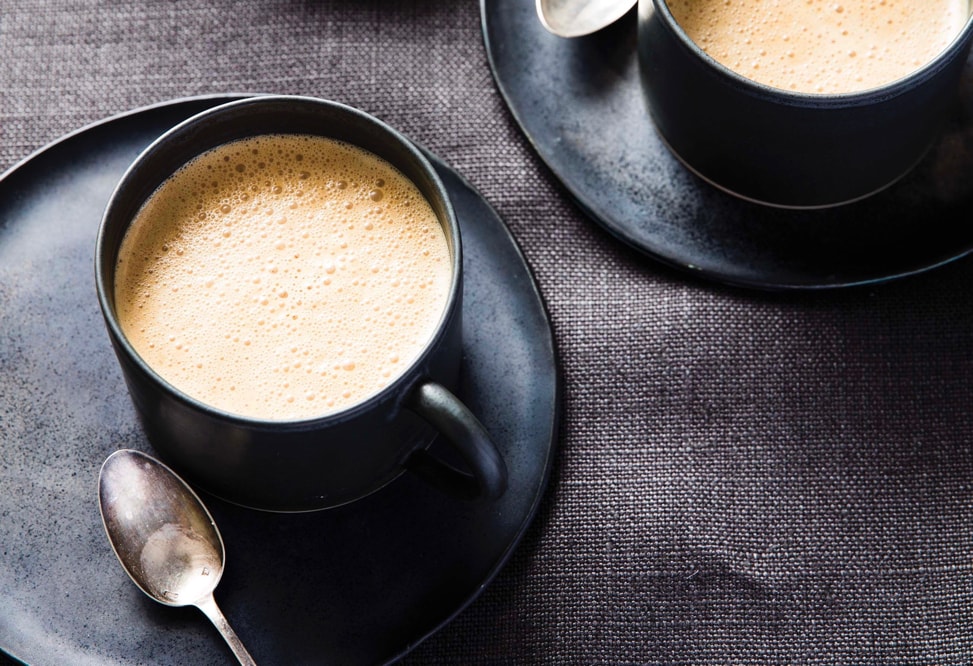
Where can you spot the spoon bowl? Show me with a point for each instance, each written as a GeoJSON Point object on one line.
{"type": "Point", "coordinates": [576, 18]}
{"type": "Point", "coordinates": [164, 536]}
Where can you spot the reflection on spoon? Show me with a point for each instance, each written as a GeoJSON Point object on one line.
{"type": "Point", "coordinates": [178, 564]}
{"type": "Point", "coordinates": [576, 18]}
{"type": "Point", "coordinates": [164, 537]}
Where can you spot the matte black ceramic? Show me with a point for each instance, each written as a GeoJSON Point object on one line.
{"type": "Point", "coordinates": [396, 565]}
{"type": "Point", "coordinates": [559, 91]}
{"type": "Point", "coordinates": [785, 148]}
{"type": "Point", "coordinates": [316, 463]}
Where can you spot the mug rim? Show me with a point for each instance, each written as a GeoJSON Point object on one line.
{"type": "Point", "coordinates": [853, 98]}
{"type": "Point", "coordinates": [395, 389]}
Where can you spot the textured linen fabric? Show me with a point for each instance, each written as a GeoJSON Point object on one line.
{"type": "Point", "coordinates": [740, 477]}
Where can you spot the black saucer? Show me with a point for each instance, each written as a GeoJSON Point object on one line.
{"type": "Point", "coordinates": [357, 585]}
{"type": "Point", "coordinates": [580, 104]}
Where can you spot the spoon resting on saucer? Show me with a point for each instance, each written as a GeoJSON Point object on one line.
{"type": "Point", "coordinates": [576, 18]}
{"type": "Point", "coordinates": [164, 537]}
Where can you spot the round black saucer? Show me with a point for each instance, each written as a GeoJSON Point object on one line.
{"type": "Point", "coordinates": [357, 585]}
{"type": "Point", "coordinates": [580, 104]}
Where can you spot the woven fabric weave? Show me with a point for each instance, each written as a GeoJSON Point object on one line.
{"type": "Point", "coordinates": [740, 477]}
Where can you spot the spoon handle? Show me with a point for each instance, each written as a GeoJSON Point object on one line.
{"type": "Point", "coordinates": [212, 611]}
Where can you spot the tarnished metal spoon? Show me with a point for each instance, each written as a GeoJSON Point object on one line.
{"type": "Point", "coordinates": [164, 537]}
{"type": "Point", "coordinates": [575, 18]}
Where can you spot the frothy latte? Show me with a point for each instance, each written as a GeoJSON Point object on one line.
{"type": "Point", "coordinates": [283, 277]}
{"type": "Point", "coordinates": [822, 46]}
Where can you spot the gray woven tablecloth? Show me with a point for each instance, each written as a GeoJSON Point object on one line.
{"type": "Point", "coordinates": [740, 477]}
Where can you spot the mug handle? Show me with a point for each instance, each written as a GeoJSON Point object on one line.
{"type": "Point", "coordinates": [487, 478]}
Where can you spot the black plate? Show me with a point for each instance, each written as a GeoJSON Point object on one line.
{"type": "Point", "coordinates": [580, 103]}
{"type": "Point", "coordinates": [355, 585]}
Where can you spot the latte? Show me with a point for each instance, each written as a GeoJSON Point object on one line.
{"type": "Point", "coordinates": [822, 46]}
{"type": "Point", "coordinates": [283, 277]}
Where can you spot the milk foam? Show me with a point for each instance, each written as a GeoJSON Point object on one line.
{"type": "Point", "coordinates": [822, 46]}
{"type": "Point", "coordinates": [283, 277]}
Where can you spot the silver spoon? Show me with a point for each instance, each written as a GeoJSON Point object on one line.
{"type": "Point", "coordinates": [164, 537]}
{"type": "Point", "coordinates": [575, 18]}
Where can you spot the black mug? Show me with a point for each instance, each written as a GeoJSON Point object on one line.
{"type": "Point", "coordinates": [315, 463]}
{"type": "Point", "coordinates": [785, 148]}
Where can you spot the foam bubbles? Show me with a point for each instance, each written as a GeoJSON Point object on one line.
{"type": "Point", "coordinates": [301, 321]}
{"type": "Point", "coordinates": [839, 46]}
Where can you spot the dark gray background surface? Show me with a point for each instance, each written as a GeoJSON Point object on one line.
{"type": "Point", "coordinates": [741, 477]}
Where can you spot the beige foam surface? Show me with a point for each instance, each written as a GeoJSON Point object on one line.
{"type": "Point", "coordinates": [283, 277]}
{"type": "Point", "coordinates": [822, 46]}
